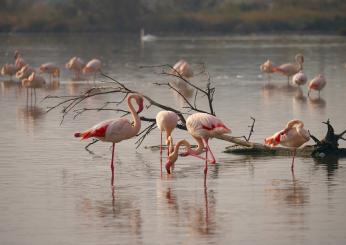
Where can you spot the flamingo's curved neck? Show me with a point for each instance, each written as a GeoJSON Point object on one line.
{"type": "Point", "coordinates": [173, 156]}
{"type": "Point", "coordinates": [135, 117]}
{"type": "Point", "coordinates": [200, 146]}
{"type": "Point", "coordinates": [295, 123]}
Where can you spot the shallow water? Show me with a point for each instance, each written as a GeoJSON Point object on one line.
{"type": "Point", "coordinates": [55, 192]}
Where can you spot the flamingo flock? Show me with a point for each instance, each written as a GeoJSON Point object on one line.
{"type": "Point", "coordinates": [200, 126]}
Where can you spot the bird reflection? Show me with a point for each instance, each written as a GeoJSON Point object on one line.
{"type": "Point", "coordinates": [289, 192]}
{"type": "Point", "coordinates": [53, 85]}
{"type": "Point", "coordinates": [317, 102]}
{"type": "Point", "coordinates": [199, 217]}
{"type": "Point", "coordinates": [299, 96]}
{"type": "Point", "coordinates": [29, 115]}
{"type": "Point", "coordinates": [330, 162]}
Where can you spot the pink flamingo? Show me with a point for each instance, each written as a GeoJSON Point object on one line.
{"type": "Point", "coordinates": [182, 68]}
{"type": "Point", "coordinates": [93, 66]}
{"type": "Point", "coordinates": [24, 72]}
{"type": "Point", "coordinates": [116, 130]}
{"type": "Point", "coordinates": [76, 65]}
{"type": "Point", "coordinates": [267, 67]}
{"type": "Point", "coordinates": [51, 69]}
{"type": "Point", "coordinates": [317, 83]}
{"type": "Point", "coordinates": [34, 81]}
{"type": "Point", "coordinates": [293, 135]}
{"type": "Point", "coordinates": [203, 126]}
{"type": "Point", "coordinates": [166, 121]}
{"type": "Point", "coordinates": [299, 78]}
{"type": "Point", "coordinates": [19, 61]}
{"type": "Point", "coordinates": [8, 70]}
{"type": "Point", "coordinates": [290, 69]}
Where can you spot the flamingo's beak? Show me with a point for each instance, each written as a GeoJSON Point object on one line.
{"type": "Point", "coordinates": [168, 166]}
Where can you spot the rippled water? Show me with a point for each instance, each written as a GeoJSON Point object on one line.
{"type": "Point", "coordinates": [55, 192]}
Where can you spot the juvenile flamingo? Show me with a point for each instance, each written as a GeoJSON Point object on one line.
{"type": "Point", "coordinates": [203, 126]}
{"type": "Point", "coordinates": [183, 69]}
{"type": "Point", "coordinates": [166, 121]}
{"type": "Point", "coordinates": [317, 83]}
{"type": "Point", "coordinates": [76, 65]}
{"type": "Point", "coordinates": [293, 135]}
{"type": "Point", "coordinates": [289, 69]}
{"type": "Point", "coordinates": [93, 66]}
{"type": "Point", "coordinates": [51, 69]}
{"type": "Point", "coordinates": [299, 78]}
{"type": "Point", "coordinates": [116, 130]}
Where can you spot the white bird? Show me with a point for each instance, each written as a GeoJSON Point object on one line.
{"type": "Point", "coordinates": [76, 65]}
{"type": "Point", "coordinates": [147, 37]}
{"type": "Point", "coordinates": [182, 68]}
{"type": "Point", "coordinates": [317, 83]}
{"type": "Point", "coordinates": [299, 78]}
{"type": "Point", "coordinates": [93, 66]}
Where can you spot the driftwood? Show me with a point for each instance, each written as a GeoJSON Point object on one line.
{"type": "Point", "coordinates": [326, 147]}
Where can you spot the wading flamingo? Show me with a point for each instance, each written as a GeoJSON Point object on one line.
{"type": "Point", "coordinates": [299, 79]}
{"type": "Point", "coordinates": [317, 83]}
{"type": "Point", "coordinates": [183, 69]}
{"type": "Point", "coordinates": [8, 70]}
{"type": "Point", "coordinates": [25, 72]}
{"type": "Point", "coordinates": [166, 121]}
{"type": "Point", "coordinates": [76, 65]}
{"type": "Point", "coordinates": [19, 60]}
{"type": "Point", "coordinates": [293, 135]}
{"type": "Point", "coordinates": [116, 130]}
{"type": "Point", "coordinates": [203, 126]}
{"type": "Point", "coordinates": [267, 67]}
{"type": "Point", "coordinates": [290, 69]}
{"type": "Point", "coordinates": [33, 82]}
{"type": "Point", "coordinates": [51, 69]}
{"type": "Point", "coordinates": [93, 66]}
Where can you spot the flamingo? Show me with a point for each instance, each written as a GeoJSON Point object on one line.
{"type": "Point", "coordinates": [76, 65]}
{"type": "Point", "coordinates": [290, 69]}
{"type": "Point", "coordinates": [182, 68]}
{"type": "Point", "coordinates": [166, 121]}
{"type": "Point", "coordinates": [24, 72]}
{"type": "Point", "coordinates": [34, 81]}
{"type": "Point", "coordinates": [317, 83]}
{"type": "Point", "coordinates": [203, 126]}
{"type": "Point", "coordinates": [299, 78]}
{"type": "Point", "coordinates": [93, 66]}
{"type": "Point", "coordinates": [19, 61]}
{"type": "Point", "coordinates": [116, 130]}
{"type": "Point", "coordinates": [267, 67]}
{"type": "Point", "coordinates": [51, 69]}
{"type": "Point", "coordinates": [8, 70]}
{"type": "Point", "coordinates": [293, 135]}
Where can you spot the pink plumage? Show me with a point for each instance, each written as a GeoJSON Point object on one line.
{"type": "Point", "coordinates": [317, 83]}
{"type": "Point", "coordinates": [289, 69]}
{"type": "Point", "coordinates": [183, 68]}
{"type": "Point", "coordinates": [116, 130]}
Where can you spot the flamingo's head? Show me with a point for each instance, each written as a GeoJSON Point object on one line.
{"type": "Point", "coordinates": [140, 103]}
{"type": "Point", "coordinates": [169, 166]}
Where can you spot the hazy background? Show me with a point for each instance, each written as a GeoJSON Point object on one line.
{"type": "Point", "coordinates": [183, 16]}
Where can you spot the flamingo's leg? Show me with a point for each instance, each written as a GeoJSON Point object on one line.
{"type": "Point", "coordinates": [206, 168]}
{"type": "Point", "coordinates": [112, 165]}
{"type": "Point", "coordinates": [213, 161]}
{"type": "Point", "coordinates": [292, 165]}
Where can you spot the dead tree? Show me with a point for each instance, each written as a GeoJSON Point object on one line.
{"type": "Point", "coordinates": [242, 145]}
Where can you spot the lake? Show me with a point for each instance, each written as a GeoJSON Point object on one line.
{"type": "Point", "coordinates": [55, 192]}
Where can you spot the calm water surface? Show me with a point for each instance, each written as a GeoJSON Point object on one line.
{"type": "Point", "coordinates": [55, 192]}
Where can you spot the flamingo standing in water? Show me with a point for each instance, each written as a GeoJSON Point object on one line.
{"type": "Point", "coordinates": [293, 135]}
{"type": "Point", "coordinates": [76, 65]}
{"type": "Point", "coordinates": [299, 78]}
{"type": "Point", "coordinates": [51, 69]}
{"type": "Point", "coordinates": [116, 130]}
{"type": "Point", "coordinates": [289, 69]}
{"type": "Point", "coordinates": [166, 121]}
{"type": "Point", "coordinates": [317, 83]}
{"type": "Point", "coordinates": [25, 72]}
{"type": "Point", "coordinates": [19, 60]}
{"type": "Point", "coordinates": [183, 69]}
{"type": "Point", "coordinates": [8, 70]}
{"type": "Point", "coordinates": [33, 82]}
{"type": "Point", "coordinates": [267, 67]}
{"type": "Point", "coordinates": [93, 66]}
{"type": "Point", "coordinates": [203, 126]}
